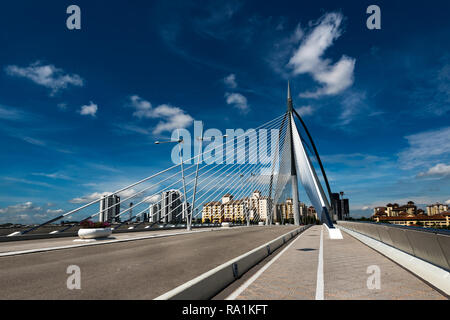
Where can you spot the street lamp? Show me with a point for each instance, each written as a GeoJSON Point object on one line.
{"type": "Point", "coordinates": [179, 141]}
{"type": "Point", "coordinates": [201, 139]}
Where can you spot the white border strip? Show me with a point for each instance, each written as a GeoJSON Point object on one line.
{"type": "Point", "coordinates": [320, 284]}
{"type": "Point", "coordinates": [436, 276]}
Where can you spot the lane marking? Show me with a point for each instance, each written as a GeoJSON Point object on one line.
{"type": "Point", "coordinates": [320, 285]}
{"type": "Point", "coordinates": [14, 253]}
{"type": "Point", "coordinates": [102, 242]}
{"type": "Point", "coordinates": [247, 283]}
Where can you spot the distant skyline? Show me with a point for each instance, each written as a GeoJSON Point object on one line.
{"type": "Point", "coordinates": [80, 109]}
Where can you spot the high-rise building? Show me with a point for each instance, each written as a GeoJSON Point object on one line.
{"type": "Point", "coordinates": [155, 212]}
{"type": "Point", "coordinates": [171, 207]}
{"type": "Point", "coordinates": [109, 209]}
{"type": "Point", "coordinates": [341, 209]}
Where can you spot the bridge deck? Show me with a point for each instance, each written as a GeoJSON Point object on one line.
{"type": "Point", "coordinates": [294, 274]}
{"type": "Point", "coordinates": [142, 269]}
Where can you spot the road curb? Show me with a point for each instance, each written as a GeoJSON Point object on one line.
{"type": "Point", "coordinates": [212, 282]}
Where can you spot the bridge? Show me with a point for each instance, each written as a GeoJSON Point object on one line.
{"type": "Point", "coordinates": [209, 228]}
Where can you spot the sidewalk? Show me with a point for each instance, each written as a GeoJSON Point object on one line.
{"type": "Point", "coordinates": [345, 264]}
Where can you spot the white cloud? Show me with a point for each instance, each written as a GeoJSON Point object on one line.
{"type": "Point", "coordinates": [55, 175]}
{"type": "Point", "coordinates": [230, 81]}
{"type": "Point", "coordinates": [19, 208]}
{"type": "Point", "coordinates": [447, 202]}
{"type": "Point", "coordinates": [55, 212]}
{"type": "Point", "coordinates": [439, 170]}
{"type": "Point", "coordinates": [90, 197]}
{"type": "Point", "coordinates": [27, 213]}
{"type": "Point", "coordinates": [426, 147]}
{"type": "Point", "coordinates": [8, 113]}
{"type": "Point", "coordinates": [365, 208]}
{"type": "Point", "coordinates": [97, 195]}
{"type": "Point", "coordinates": [46, 75]}
{"type": "Point", "coordinates": [34, 141]}
{"type": "Point", "coordinates": [353, 104]}
{"type": "Point", "coordinates": [309, 58]}
{"type": "Point", "coordinates": [171, 117]}
{"type": "Point", "coordinates": [305, 111]}
{"type": "Point", "coordinates": [153, 199]}
{"type": "Point", "coordinates": [127, 193]}
{"type": "Point", "coordinates": [89, 110]}
{"type": "Point", "coordinates": [238, 101]}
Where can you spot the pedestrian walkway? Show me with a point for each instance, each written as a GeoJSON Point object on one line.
{"type": "Point", "coordinates": [349, 271]}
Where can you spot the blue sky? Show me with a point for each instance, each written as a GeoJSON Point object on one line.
{"type": "Point", "coordinates": [80, 109]}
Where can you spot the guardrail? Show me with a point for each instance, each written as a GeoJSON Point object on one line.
{"type": "Point", "coordinates": [430, 245]}
{"type": "Point", "coordinates": [212, 282]}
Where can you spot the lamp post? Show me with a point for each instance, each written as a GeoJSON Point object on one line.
{"type": "Point", "coordinates": [179, 141]}
{"type": "Point", "coordinates": [201, 139]}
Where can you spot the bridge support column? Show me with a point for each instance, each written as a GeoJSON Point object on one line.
{"type": "Point", "coordinates": [295, 200]}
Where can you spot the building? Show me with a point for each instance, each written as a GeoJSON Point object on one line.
{"type": "Point", "coordinates": [438, 220]}
{"type": "Point", "coordinates": [229, 209]}
{"type": "Point", "coordinates": [341, 208]}
{"type": "Point", "coordinates": [171, 207]}
{"type": "Point", "coordinates": [285, 211]}
{"type": "Point", "coordinates": [409, 215]}
{"type": "Point", "coordinates": [436, 208]}
{"type": "Point", "coordinates": [154, 212]}
{"type": "Point", "coordinates": [109, 209]}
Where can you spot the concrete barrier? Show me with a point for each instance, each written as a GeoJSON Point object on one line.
{"type": "Point", "coordinates": [212, 282]}
{"type": "Point", "coordinates": [444, 242]}
{"type": "Point", "coordinates": [432, 246]}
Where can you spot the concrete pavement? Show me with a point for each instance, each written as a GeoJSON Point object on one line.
{"type": "Point", "coordinates": [345, 275]}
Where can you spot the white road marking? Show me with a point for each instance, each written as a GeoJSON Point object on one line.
{"type": "Point", "coordinates": [247, 283]}
{"type": "Point", "coordinates": [320, 285]}
{"type": "Point", "coordinates": [14, 253]}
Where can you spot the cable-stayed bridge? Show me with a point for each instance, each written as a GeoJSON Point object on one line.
{"type": "Point", "coordinates": [215, 216]}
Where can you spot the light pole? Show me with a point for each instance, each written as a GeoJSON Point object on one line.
{"type": "Point", "coordinates": [201, 139]}
{"type": "Point", "coordinates": [179, 141]}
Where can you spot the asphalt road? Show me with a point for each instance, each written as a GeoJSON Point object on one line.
{"type": "Point", "coordinates": [142, 269]}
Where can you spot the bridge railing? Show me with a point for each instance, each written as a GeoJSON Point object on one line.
{"type": "Point", "coordinates": [431, 245]}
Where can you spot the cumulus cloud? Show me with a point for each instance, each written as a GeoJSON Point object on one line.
{"type": "Point", "coordinates": [447, 202]}
{"type": "Point", "coordinates": [90, 197]}
{"type": "Point", "coordinates": [27, 213]}
{"type": "Point", "coordinates": [97, 195]}
{"type": "Point", "coordinates": [230, 81]}
{"type": "Point", "coordinates": [439, 170]}
{"type": "Point", "coordinates": [153, 199]}
{"type": "Point", "coordinates": [55, 211]}
{"type": "Point", "coordinates": [89, 110]}
{"type": "Point", "coordinates": [238, 101]}
{"type": "Point", "coordinates": [305, 111]}
{"type": "Point", "coordinates": [308, 58]}
{"type": "Point", "coordinates": [426, 147]}
{"type": "Point", "coordinates": [46, 75]}
{"type": "Point", "coordinates": [170, 117]}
